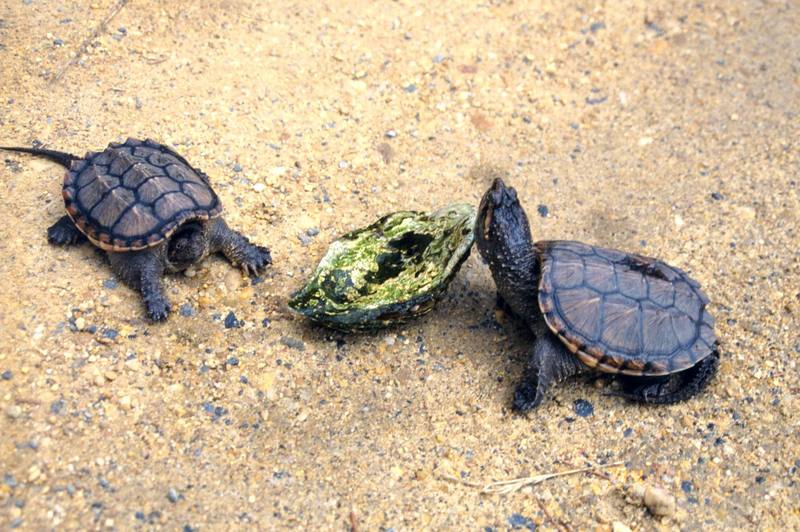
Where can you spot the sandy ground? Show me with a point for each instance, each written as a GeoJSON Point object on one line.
{"type": "Point", "coordinates": [665, 128]}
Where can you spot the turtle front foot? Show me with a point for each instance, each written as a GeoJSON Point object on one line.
{"type": "Point", "coordinates": [527, 396]}
{"type": "Point", "coordinates": [64, 233]}
{"type": "Point", "coordinates": [158, 308]}
{"type": "Point", "coordinates": [238, 249]}
{"type": "Point", "coordinates": [254, 258]}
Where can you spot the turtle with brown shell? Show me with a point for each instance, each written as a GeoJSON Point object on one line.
{"type": "Point", "coordinates": [596, 309]}
{"type": "Point", "coordinates": [150, 210]}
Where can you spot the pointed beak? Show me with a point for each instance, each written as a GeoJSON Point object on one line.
{"type": "Point", "coordinates": [501, 194]}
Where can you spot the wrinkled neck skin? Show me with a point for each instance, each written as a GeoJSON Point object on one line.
{"type": "Point", "coordinates": [515, 269]}
{"type": "Point", "coordinates": [504, 240]}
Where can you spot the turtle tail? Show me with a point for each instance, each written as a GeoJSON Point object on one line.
{"type": "Point", "coordinates": [63, 158]}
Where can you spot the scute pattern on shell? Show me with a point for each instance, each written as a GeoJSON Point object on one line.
{"type": "Point", "coordinates": [134, 195]}
{"type": "Point", "coordinates": [623, 313]}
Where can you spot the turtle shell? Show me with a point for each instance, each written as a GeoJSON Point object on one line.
{"type": "Point", "coordinates": [388, 272]}
{"type": "Point", "coordinates": [623, 313]}
{"type": "Point", "coordinates": [134, 195]}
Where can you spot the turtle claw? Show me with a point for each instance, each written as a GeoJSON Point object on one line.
{"type": "Point", "coordinates": [157, 309]}
{"type": "Point", "coordinates": [64, 233]}
{"type": "Point", "coordinates": [255, 259]}
{"type": "Point", "coordinates": [526, 397]}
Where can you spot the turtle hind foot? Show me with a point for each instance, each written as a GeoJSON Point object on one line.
{"type": "Point", "coordinates": [671, 388]}
{"type": "Point", "coordinates": [64, 233]}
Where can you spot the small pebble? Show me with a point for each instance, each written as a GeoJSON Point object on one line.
{"type": "Point", "coordinates": [716, 196]}
{"type": "Point", "coordinates": [237, 168]}
{"type": "Point", "coordinates": [543, 210]}
{"type": "Point", "coordinates": [294, 343]}
{"type": "Point", "coordinates": [410, 88]}
{"type": "Point", "coordinates": [619, 526]}
{"type": "Point", "coordinates": [111, 284]}
{"type": "Point", "coordinates": [233, 361]}
{"type": "Point", "coordinates": [172, 495]}
{"type": "Point", "coordinates": [583, 408]}
{"type": "Point", "coordinates": [9, 480]}
{"type": "Point", "coordinates": [391, 134]}
{"type": "Point", "coordinates": [657, 500]}
{"type": "Point", "coordinates": [438, 58]}
{"type": "Point", "coordinates": [7, 375]}
{"type": "Point", "coordinates": [595, 27]}
{"type": "Point", "coordinates": [686, 486]}
{"type": "Point", "coordinates": [518, 521]}
{"type": "Point", "coordinates": [58, 42]}
{"type": "Point", "coordinates": [187, 310]}
{"type": "Point", "coordinates": [231, 322]}
{"type": "Point", "coordinates": [14, 411]}
{"type": "Point", "coordinates": [57, 406]}
{"type": "Point", "coordinates": [312, 231]}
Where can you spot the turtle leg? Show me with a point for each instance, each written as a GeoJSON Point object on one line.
{"type": "Point", "coordinates": [503, 305]}
{"type": "Point", "coordinates": [237, 248]}
{"type": "Point", "coordinates": [671, 388]}
{"type": "Point", "coordinates": [142, 271]}
{"type": "Point", "coordinates": [64, 233]}
{"type": "Point", "coordinates": [550, 362]}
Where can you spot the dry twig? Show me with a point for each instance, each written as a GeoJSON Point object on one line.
{"type": "Point", "coordinates": [86, 42]}
{"type": "Point", "coordinates": [504, 487]}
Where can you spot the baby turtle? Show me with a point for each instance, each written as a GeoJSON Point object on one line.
{"type": "Point", "coordinates": [597, 309]}
{"type": "Point", "coordinates": [150, 210]}
{"type": "Point", "coordinates": [388, 272]}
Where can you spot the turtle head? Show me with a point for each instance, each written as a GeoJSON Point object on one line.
{"type": "Point", "coordinates": [187, 245]}
{"type": "Point", "coordinates": [502, 231]}
{"type": "Point", "coordinates": [504, 240]}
